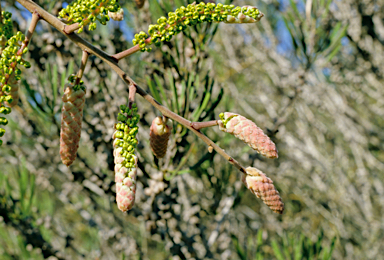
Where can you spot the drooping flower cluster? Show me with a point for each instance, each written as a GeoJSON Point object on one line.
{"type": "Point", "coordinates": [191, 15]}
{"type": "Point", "coordinates": [87, 12]}
{"type": "Point", "coordinates": [159, 135]}
{"type": "Point", "coordinates": [262, 186]}
{"type": "Point", "coordinates": [71, 119]}
{"type": "Point", "coordinates": [124, 145]}
{"type": "Point", "coordinates": [247, 131]}
{"type": "Point", "coordinates": [11, 50]}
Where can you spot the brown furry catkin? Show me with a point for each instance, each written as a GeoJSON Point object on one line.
{"type": "Point", "coordinates": [71, 118]}
{"type": "Point", "coordinates": [247, 131]}
{"type": "Point", "coordinates": [262, 186]}
{"type": "Point", "coordinates": [159, 135]}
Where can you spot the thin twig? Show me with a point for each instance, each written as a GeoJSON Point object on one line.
{"type": "Point", "coordinates": [68, 29]}
{"type": "Point", "coordinates": [129, 51]}
{"type": "Point", "coordinates": [131, 95]}
{"type": "Point", "coordinates": [111, 61]}
{"type": "Point", "coordinates": [31, 29]}
{"type": "Point", "coordinates": [84, 60]}
{"type": "Point", "coordinates": [200, 125]}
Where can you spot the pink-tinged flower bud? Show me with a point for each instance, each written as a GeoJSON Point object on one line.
{"type": "Point", "coordinates": [247, 131]}
{"type": "Point", "coordinates": [159, 135]}
{"type": "Point", "coordinates": [117, 16]}
{"type": "Point", "coordinates": [125, 177]}
{"type": "Point", "coordinates": [14, 84]}
{"type": "Point", "coordinates": [71, 118]}
{"type": "Point", "coordinates": [260, 185]}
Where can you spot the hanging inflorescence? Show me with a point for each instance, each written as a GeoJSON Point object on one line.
{"type": "Point", "coordinates": [124, 146]}
{"type": "Point", "coordinates": [83, 13]}
{"type": "Point", "coordinates": [71, 120]}
{"type": "Point", "coordinates": [262, 186]}
{"type": "Point", "coordinates": [159, 136]}
{"type": "Point", "coordinates": [87, 12]}
{"type": "Point", "coordinates": [191, 15]}
{"type": "Point", "coordinates": [247, 131]}
{"type": "Point", "coordinates": [11, 50]}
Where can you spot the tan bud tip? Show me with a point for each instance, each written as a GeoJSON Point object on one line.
{"type": "Point", "coordinates": [117, 16]}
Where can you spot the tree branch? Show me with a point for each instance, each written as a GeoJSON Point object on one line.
{"type": "Point", "coordinates": [84, 59]}
{"type": "Point", "coordinates": [112, 62]}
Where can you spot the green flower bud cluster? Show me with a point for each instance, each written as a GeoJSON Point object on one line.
{"type": "Point", "coordinates": [191, 15]}
{"type": "Point", "coordinates": [6, 24]}
{"type": "Point", "coordinates": [3, 120]}
{"type": "Point", "coordinates": [125, 136]}
{"type": "Point", "coordinates": [72, 78]}
{"type": "Point", "coordinates": [87, 12]}
{"type": "Point", "coordinates": [225, 121]}
{"type": "Point", "coordinates": [10, 56]}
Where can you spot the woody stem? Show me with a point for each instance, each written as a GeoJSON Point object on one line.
{"type": "Point", "coordinates": [84, 60]}
{"type": "Point", "coordinates": [31, 30]}
{"type": "Point", "coordinates": [112, 62]}
{"type": "Point", "coordinates": [200, 125]}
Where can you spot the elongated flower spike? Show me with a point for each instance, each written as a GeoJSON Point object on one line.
{"type": "Point", "coordinates": [247, 131]}
{"type": "Point", "coordinates": [159, 136]}
{"type": "Point", "coordinates": [11, 50]}
{"type": "Point", "coordinates": [191, 15]}
{"type": "Point", "coordinates": [124, 146]}
{"type": "Point", "coordinates": [86, 12]}
{"type": "Point", "coordinates": [262, 186]}
{"type": "Point", "coordinates": [71, 120]}
{"type": "Point", "coordinates": [6, 24]}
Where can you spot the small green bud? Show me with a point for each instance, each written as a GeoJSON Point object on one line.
{"type": "Point", "coordinates": [2, 132]}
{"type": "Point", "coordinates": [6, 88]}
{"type": "Point", "coordinates": [3, 121]}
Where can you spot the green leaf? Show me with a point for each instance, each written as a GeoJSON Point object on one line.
{"type": "Point", "coordinates": [298, 247]}
{"type": "Point", "coordinates": [154, 91]}
{"type": "Point", "coordinates": [175, 97]}
{"type": "Point", "coordinates": [55, 87]}
{"type": "Point", "coordinates": [296, 10]}
{"type": "Point", "coordinates": [162, 90]}
{"type": "Point", "coordinates": [286, 247]}
{"type": "Point", "coordinates": [179, 3]}
{"type": "Point", "coordinates": [239, 250]}
{"type": "Point", "coordinates": [276, 250]}
{"type": "Point", "coordinates": [156, 10]}
{"type": "Point", "coordinates": [203, 105]}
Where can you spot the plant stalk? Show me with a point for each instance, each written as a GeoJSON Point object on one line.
{"type": "Point", "coordinates": [112, 62]}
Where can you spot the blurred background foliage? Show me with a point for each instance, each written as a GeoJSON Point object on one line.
{"type": "Point", "coordinates": [310, 74]}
